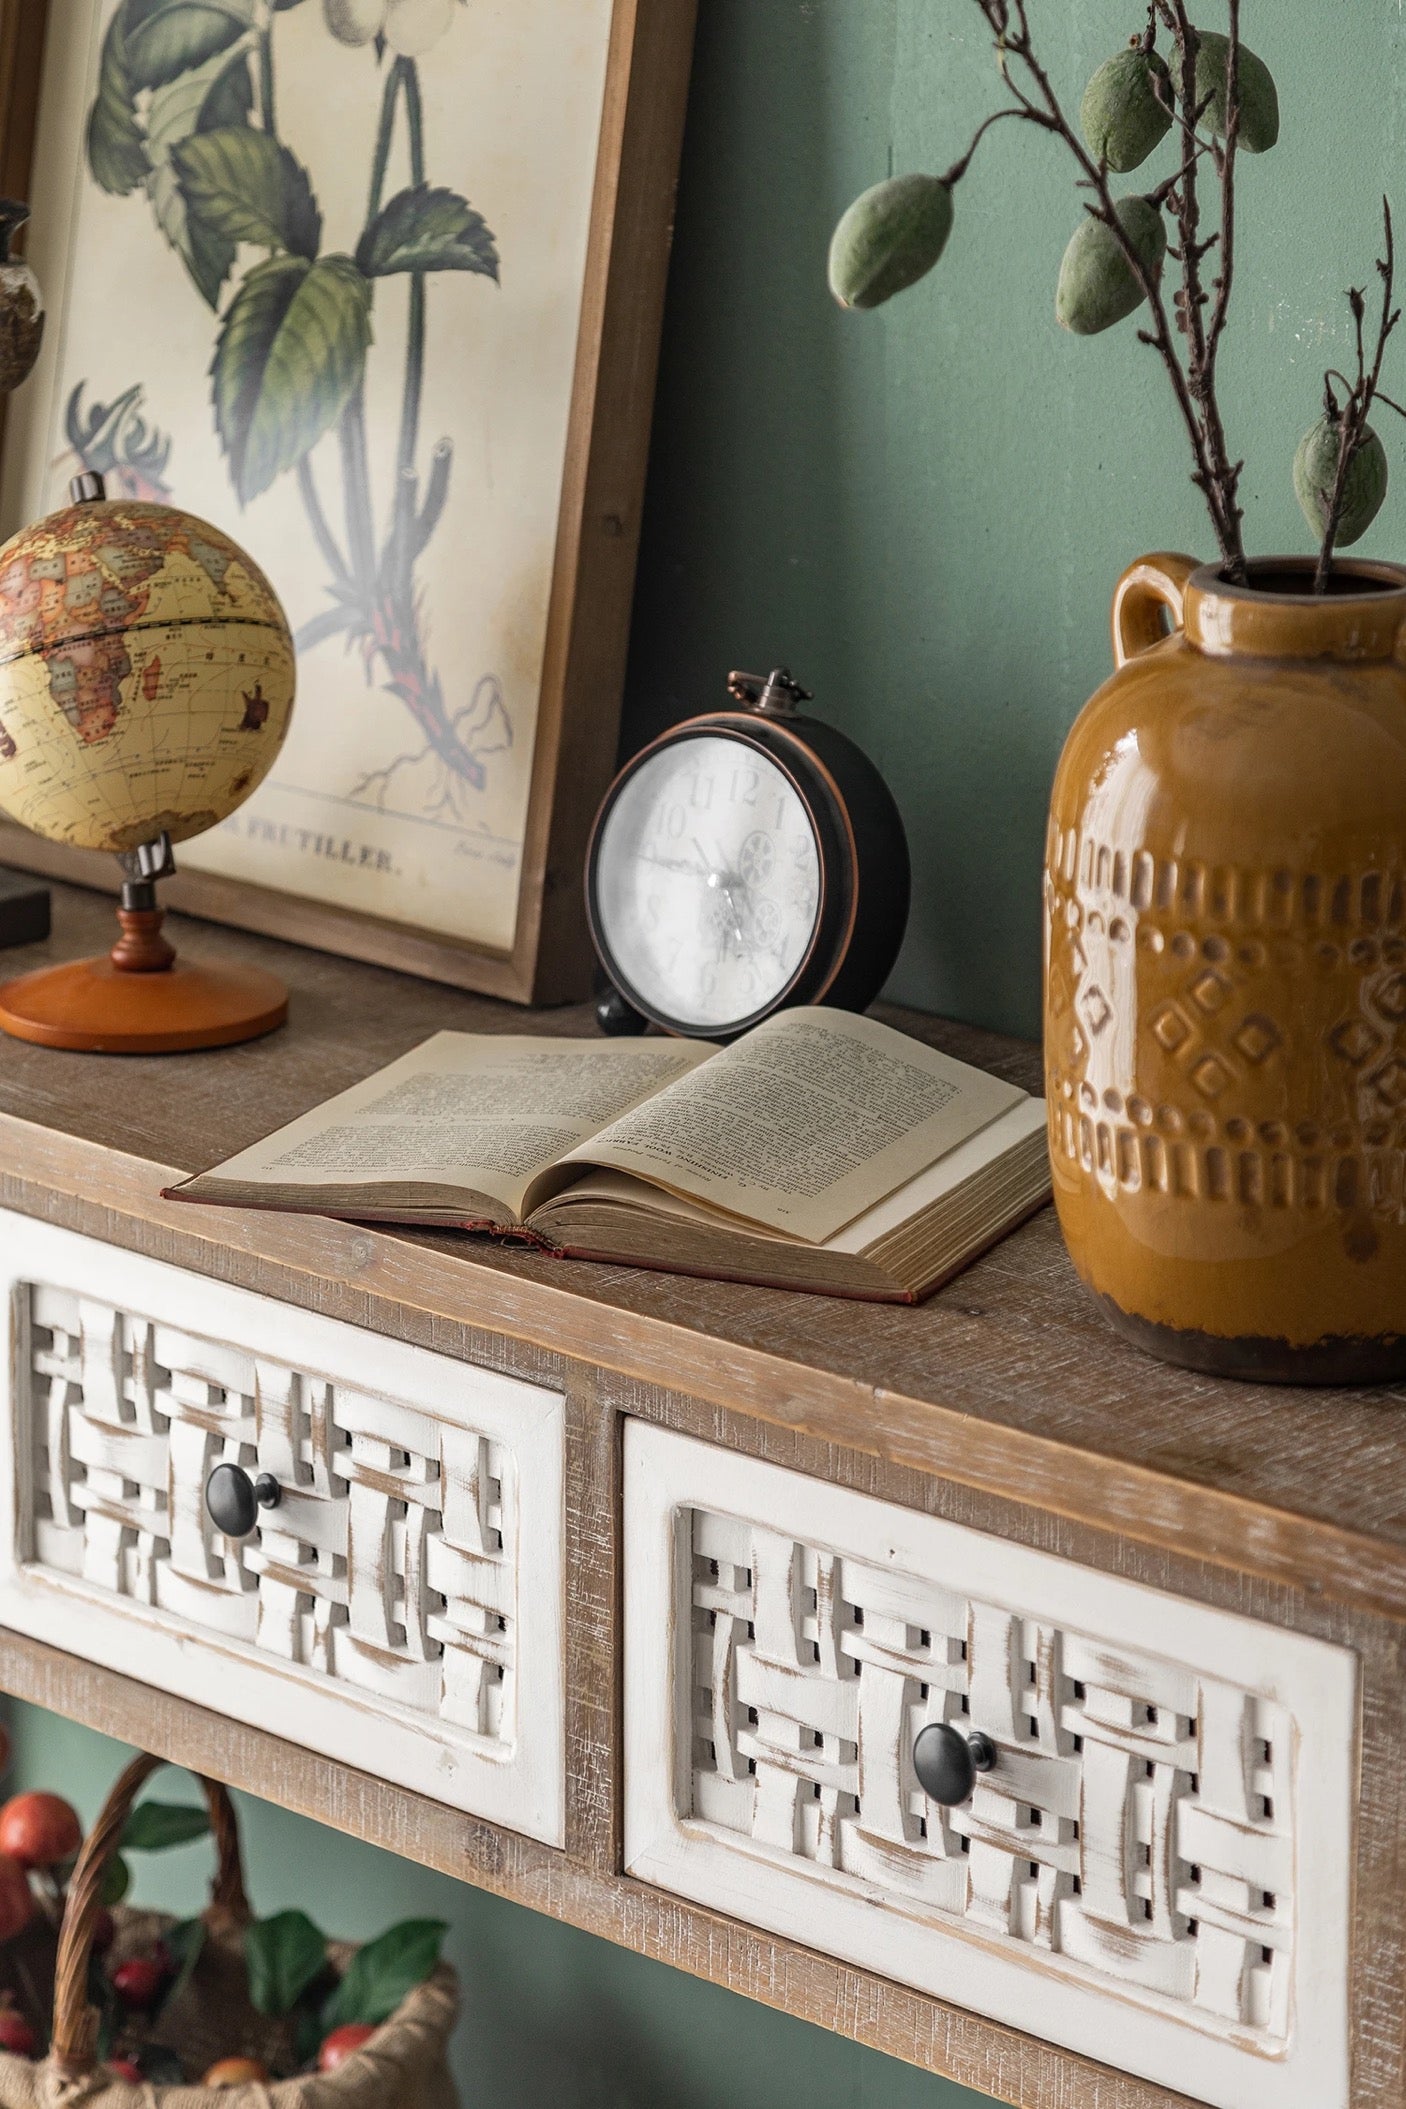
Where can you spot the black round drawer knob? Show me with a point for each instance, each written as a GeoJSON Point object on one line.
{"type": "Point", "coordinates": [233, 1499]}
{"type": "Point", "coordinates": [947, 1762]}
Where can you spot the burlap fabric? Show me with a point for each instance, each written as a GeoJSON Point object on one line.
{"type": "Point", "coordinates": [403, 2067]}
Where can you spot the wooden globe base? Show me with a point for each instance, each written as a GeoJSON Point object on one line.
{"type": "Point", "coordinates": [141, 999]}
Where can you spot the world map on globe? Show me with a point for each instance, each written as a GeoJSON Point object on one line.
{"type": "Point", "coordinates": [146, 675]}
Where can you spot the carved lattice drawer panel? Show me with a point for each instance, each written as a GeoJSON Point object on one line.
{"type": "Point", "coordinates": [1157, 1871]}
{"type": "Point", "coordinates": [383, 1613]}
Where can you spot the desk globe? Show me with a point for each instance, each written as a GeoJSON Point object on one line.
{"type": "Point", "coordinates": [146, 683]}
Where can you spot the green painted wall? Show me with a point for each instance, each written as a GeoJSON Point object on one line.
{"type": "Point", "coordinates": [925, 509]}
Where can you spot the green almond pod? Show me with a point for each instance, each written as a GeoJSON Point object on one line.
{"type": "Point", "coordinates": [1121, 114]}
{"type": "Point", "coordinates": [889, 239]}
{"type": "Point", "coordinates": [1315, 469]}
{"type": "Point", "coordinates": [1259, 98]}
{"type": "Point", "coordinates": [1097, 286]}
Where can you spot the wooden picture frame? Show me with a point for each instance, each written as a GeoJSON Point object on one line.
{"type": "Point", "coordinates": [597, 538]}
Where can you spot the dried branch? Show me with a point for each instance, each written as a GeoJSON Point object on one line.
{"type": "Point", "coordinates": [1203, 343]}
{"type": "Point", "coordinates": [1364, 392]}
{"type": "Point", "coordinates": [959, 168]}
{"type": "Point", "coordinates": [1194, 387]}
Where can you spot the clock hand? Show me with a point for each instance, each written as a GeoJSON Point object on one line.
{"type": "Point", "coordinates": [679, 864]}
{"type": "Point", "coordinates": [718, 881]}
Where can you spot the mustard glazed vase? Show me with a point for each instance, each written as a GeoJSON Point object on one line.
{"type": "Point", "coordinates": [1225, 972]}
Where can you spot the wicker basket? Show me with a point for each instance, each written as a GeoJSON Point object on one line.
{"type": "Point", "coordinates": [402, 2067]}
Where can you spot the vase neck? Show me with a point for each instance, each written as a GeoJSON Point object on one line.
{"type": "Point", "coordinates": [1276, 615]}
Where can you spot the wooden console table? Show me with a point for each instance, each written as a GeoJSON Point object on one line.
{"type": "Point", "coordinates": [626, 1596]}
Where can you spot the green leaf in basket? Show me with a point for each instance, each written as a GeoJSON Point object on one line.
{"type": "Point", "coordinates": [117, 1880]}
{"type": "Point", "coordinates": [185, 1944]}
{"type": "Point", "coordinates": [308, 2032]}
{"type": "Point", "coordinates": [380, 1974]}
{"type": "Point", "coordinates": [160, 2065]}
{"type": "Point", "coordinates": [153, 1826]}
{"type": "Point", "coordinates": [283, 1956]}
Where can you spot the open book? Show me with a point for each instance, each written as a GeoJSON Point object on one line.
{"type": "Point", "coordinates": [820, 1151]}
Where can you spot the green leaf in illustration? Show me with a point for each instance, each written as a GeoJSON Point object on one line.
{"type": "Point", "coordinates": [154, 1826]}
{"type": "Point", "coordinates": [426, 229]}
{"type": "Point", "coordinates": [330, 622]}
{"type": "Point", "coordinates": [116, 150]}
{"type": "Point", "coordinates": [244, 186]}
{"type": "Point", "coordinates": [217, 93]}
{"type": "Point", "coordinates": [207, 257]}
{"type": "Point", "coordinates": [165, 38]}
{"type": "Point", "coordinates": [380, 1974]}
{"type": "Point", "coordinates": [230, 100]}
{"type": "Point", "coordinates": [283, 1956]}
{"type": "Point", "coordinates": [291, 351]}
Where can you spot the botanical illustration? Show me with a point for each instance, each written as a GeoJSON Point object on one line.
{"type": "Point", "coordinates": [187, 114]}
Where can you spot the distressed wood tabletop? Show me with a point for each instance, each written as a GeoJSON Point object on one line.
{"type": "Point", "coordinates": [1008, 1377]}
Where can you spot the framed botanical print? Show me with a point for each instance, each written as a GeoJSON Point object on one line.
{"type": "Point", "coordinates": [376, 286]}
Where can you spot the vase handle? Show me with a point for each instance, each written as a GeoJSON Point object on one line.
{"type": "Point", "coordinates": [1147, 589]}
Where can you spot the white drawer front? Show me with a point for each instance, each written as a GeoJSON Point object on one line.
{"type": "Point", "coordinates": [1156, 1873]}
{"type": "Point", "coordinates": [400, 1609]}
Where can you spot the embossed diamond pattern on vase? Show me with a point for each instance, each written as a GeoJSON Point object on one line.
{"type": "Point", "coordinates": [1186, 1105]}
{"type": "Point", "coordinates": [1139, 1824]}
{"type": "Point", "coordinates": [389, 1564]}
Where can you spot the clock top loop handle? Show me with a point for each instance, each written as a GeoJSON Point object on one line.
{"type": "Point", "coordinates": [778, 694]}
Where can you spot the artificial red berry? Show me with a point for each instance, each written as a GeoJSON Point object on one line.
{"type": "Point", "coordinates": [16, 2035]}
{"type": "Point", "coordinates": [124, 2069]}
{"type": "Point", "coordinates": [39, 1830]}
{"type": "Point", "coordinates": [16, 1899]}
{"type": "Point", "coordinates": [139, 1982]}
{"type": "Point", "coordinates": [343, 2043]}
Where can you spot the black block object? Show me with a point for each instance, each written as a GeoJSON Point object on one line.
{"type": "Point", "coordinates": [618, 1019]}
{"type": "Point", "coordinates": [947, 1762]}
{"type": "Point", "coordinates": [24, 909]}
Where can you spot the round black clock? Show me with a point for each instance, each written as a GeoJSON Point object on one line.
{"type": "Point", "coordinates": [745, 861]}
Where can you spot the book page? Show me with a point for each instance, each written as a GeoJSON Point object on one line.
{"type": "Point", "coordinates": [805, 1123]}
{"type": "Point", "coordinates": [482, 1114]}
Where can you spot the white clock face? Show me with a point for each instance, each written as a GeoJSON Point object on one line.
{"type": "Point", "coordinates": [707, 882]}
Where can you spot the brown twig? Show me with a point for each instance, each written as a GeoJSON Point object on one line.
{"type": "Point", "coordinates": [1194, 387]}
{"type": "Point", "coordinates": [959, 168]}
{"type": "Point", "coordinates": [1228, 470]}
{"type": "Point", "coordinates": [1363, 393]}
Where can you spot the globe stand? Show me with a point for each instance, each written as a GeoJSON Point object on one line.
{"type": "Point", "coordinates": [140, 998]}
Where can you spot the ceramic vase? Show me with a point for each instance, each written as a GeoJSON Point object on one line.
{"type": "Point", "coordinates": [1225, 984]}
